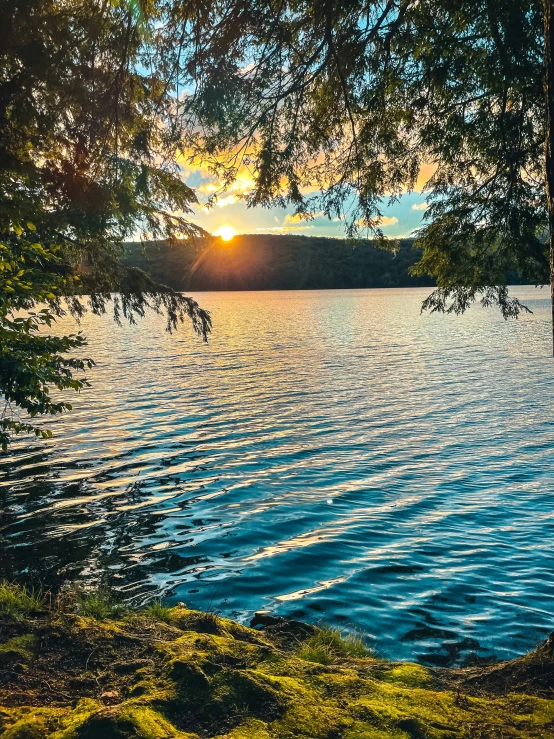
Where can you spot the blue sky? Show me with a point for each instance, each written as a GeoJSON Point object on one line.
{"type": "Point", "coordinates": [400, 219]}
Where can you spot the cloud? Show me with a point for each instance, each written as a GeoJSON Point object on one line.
{"type": "Point", "coordinates": [284, 229]}
{"type": "Point", "coordinates": [420, 206]}
{"type": "Point", "coordinates": [296, 218]}
{"type": "Point", "coordinates": [382, 222]}
{"type": "Point", "coordinates": [427, 171]}
{"type": "Point", "coordinates": [299, 218]}
{"type": "Point", "coordinates": [224, 202]}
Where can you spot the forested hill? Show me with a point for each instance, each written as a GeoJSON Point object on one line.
{"type": "Point", "coordinates": [271, 262]}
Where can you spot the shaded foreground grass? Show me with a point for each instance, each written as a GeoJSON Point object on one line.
{"type": "Point", "coordinates": [80, 669]}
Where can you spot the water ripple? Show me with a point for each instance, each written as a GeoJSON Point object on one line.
{"type": "Point", "coordinates": [331, 455]}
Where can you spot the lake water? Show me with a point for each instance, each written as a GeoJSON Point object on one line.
{"type": "Point", "coordinates": [331, 455]}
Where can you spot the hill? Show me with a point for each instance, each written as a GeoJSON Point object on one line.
{"type": "Point", "coordinates": [271, 262]}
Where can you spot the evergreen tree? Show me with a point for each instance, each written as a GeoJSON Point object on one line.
{"type": "Point", "coordinates": [89, 138]}
{"type": "Point", "coordinates": [355, 97]}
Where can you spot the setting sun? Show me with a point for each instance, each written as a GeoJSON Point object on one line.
{"type": "Point", "coordinates": [226, 233]}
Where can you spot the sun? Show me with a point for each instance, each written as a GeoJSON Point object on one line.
{"type": "Point", "coordinates": [226, 233]}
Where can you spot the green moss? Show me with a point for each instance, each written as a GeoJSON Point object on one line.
{"type": "Point", "coordinates": [55, 723]}
{"type": "Point", "coordinates": [445, 715]}
{"type": "Point", "coordinates": [18, 647]}
{"type": "Point", "coordinates": [412, 675]}
{"type": "Point", "coordinates": [28, 723]}
{"type": "Point", "coordinates": [204, 623]}
{"type": "Point", "coordinates": [71, 723]}
{"type": "Point", "coordinates": [316, 720]}
{"type": "Point", "coordinates": [360, 730]}
{"type": "Point", "coordinates": [252, 729]}
{"type": "Point", "coordinates": [204, 676]}
{"type": "Point", "coordinates": [208, 623]}
{"type": "Point", "coordinates": [17, 602]}
{"type": "Point", "coordinates": [144, 722]}
{"type": "Point", "coordinates": [246, 692]}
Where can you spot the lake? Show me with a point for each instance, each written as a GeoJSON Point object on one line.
{"type": "Point", "coordinates": [330, 455]}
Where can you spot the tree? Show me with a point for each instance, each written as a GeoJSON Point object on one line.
{"type": "Point", "coordinates": [354, 97]}
{"type": "Point", "coordinates": [89, 140]}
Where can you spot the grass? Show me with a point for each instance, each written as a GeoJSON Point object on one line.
{"type": "Point", "coordinates": [17, 601]}
{"type": "Point", "coordinates": [99, 603]}
{"type": "Point", "coordinates": [209, 677]}
{"type": "Point", "coordinates": [158, 611]}
{"type": "Point", "coordinates": [328, 646]}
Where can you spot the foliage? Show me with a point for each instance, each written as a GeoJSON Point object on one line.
{"type": "Point", "coordinates": [99, 603]}
{"type": "Point", "coordinates": [328, 646]}
{"type": "Point", "coordinates": [336, 107]}
{"type": "Point", "coordinates": [17, 602]}
{"type": "Point", "coordinates": [157, 610]}
{"type": "Point", "coordinates": [142, 678]}
{"type": "Point", "coordinates": [32, 362]}
{"type": "Point", "coordinates": [88, 157]}
{"type": "Point", "coordinates": [270, 262]}
{"type": "Point", "coordinates": [333, 107]}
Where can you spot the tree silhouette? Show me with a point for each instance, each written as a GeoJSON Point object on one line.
{"type": "Point", "coordinates": [89, 137]}
{"type": "Point", "coordinates": [353, 98]}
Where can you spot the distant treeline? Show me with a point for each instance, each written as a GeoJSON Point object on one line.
{"type": "Point", "coordinates": [271, 262]}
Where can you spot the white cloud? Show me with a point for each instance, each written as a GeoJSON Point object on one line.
{"type": "Point", "coordinates": [420, 206]}
{"type": "Point", "coordinates": [388, 221]}
{"type": "Point", "coordinates": [224, 202]}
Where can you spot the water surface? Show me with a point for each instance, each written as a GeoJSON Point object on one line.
{"type": "Point", "coordinates": [332, 455]}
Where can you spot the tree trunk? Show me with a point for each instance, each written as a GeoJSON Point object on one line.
{"type": "Point", "coordinates": [549, 139]}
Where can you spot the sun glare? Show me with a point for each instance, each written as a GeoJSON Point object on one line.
{"type": "Point", "coordinates": [226, 233]}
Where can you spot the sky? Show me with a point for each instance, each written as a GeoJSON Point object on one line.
{"type": "Point", "coordinates": [230, 214]}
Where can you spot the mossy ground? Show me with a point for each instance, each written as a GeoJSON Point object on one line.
{"type": "Point", "coordinates": [192, 675]}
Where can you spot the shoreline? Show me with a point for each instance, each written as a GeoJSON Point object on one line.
{"type": "Point", "coordinates": [82, 667]}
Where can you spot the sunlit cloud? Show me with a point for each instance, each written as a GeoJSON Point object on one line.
{"type": "Point", "coordinates": [283, 229]}
{"type": "Point", "coordinates": [299, 218]}
{"type": "Point", "coordinates": [214, 198]}
{"type": "Point", "coordinates": [381, 222]}
{"type": "Point", "coordinates": [224, 202]}
{"type": "Point", "coordinates": [425, 174]}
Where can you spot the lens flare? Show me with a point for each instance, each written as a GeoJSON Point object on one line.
{"type": "Point", "coordinates": [226, 233]}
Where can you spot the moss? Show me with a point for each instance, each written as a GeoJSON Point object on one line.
{"type": "Point", "coordinates": [252, 729]}
{"type": "Point", "coordinates": [18, 648]}
{"type": "Point", "coordinates": [28, 723]}
{"type": "Point", "coordinates": [71, 723]}
{"type": "Point", "coordinates": [203, 623]}
{"type": "Point", "coordinates": [55, 723]}
{"type": "Point", "coordinates": [203, 676]}
{"type": "Point", "coordinates": [445, 715]}
{"type": "Point", "coordinates": [208, 623]}
{"type": "Point", "coordinates": [144, 722]}
{"type": "Point", "coordinates": [189, 677]}
{"type": "Point", "coordinates": [245, 692]}
{"type": "Point", "coordinates": [412, 675]}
